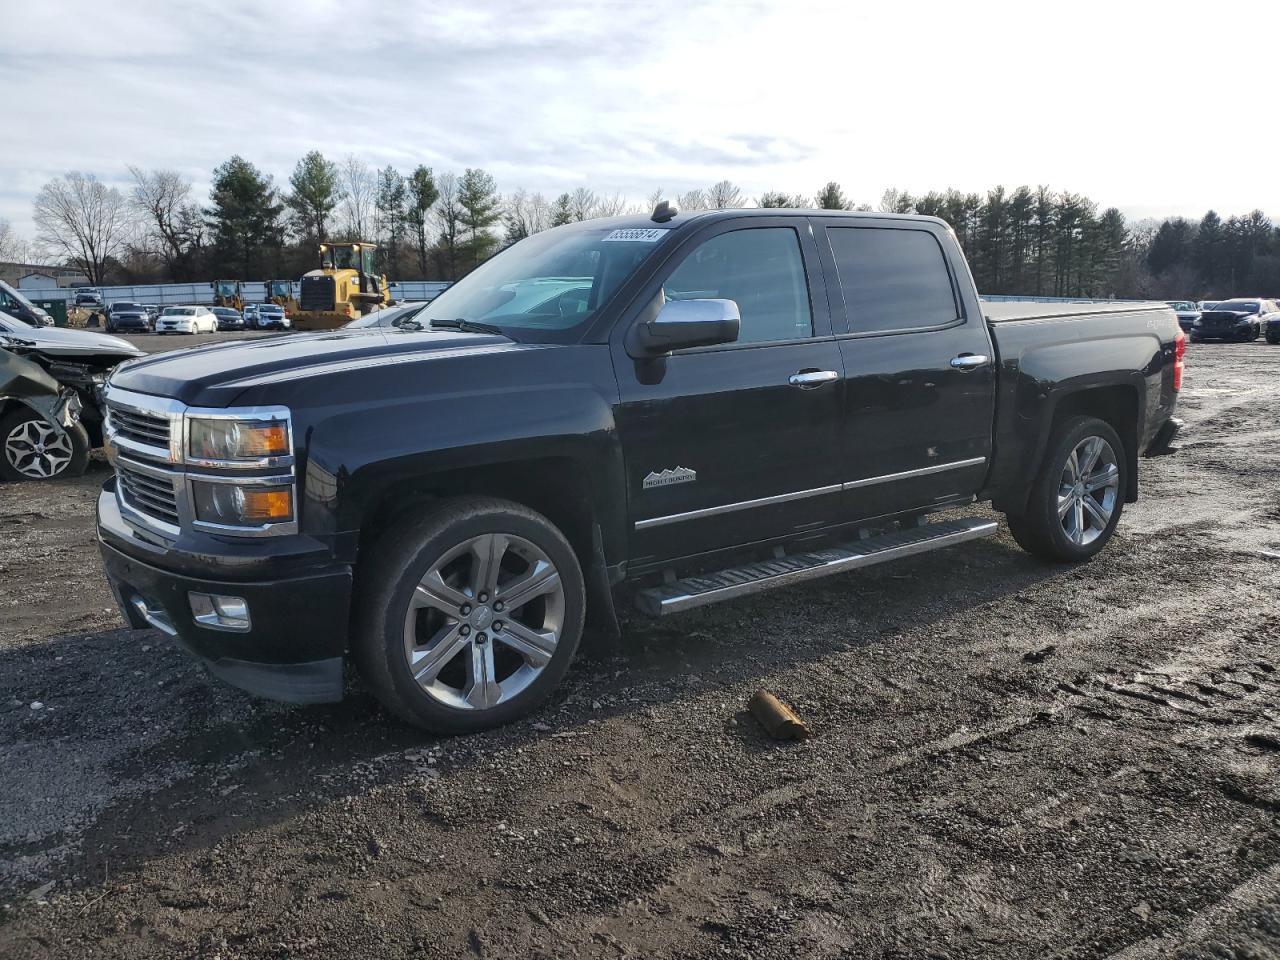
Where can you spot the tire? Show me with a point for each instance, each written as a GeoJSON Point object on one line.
{"type": "Point", "coordinates": [1079, 533]}
{"type": "Point", "coordinates": [1195, 339]}
{"type": "Point", "coordinates": [393, 616]}
{"type": "Point", "coordinates": [1273, 337]}
{"type": "Point", "coordinates": [66, 451]}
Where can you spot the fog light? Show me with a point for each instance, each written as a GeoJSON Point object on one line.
{"type": "Point", "coordinates": [219, 612]}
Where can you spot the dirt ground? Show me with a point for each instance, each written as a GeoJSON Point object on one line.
{"type": "Point", "coordinates": [1010, 760]}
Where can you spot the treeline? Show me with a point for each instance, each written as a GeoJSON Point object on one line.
{"type": "Point", "coordinates": [440, 225]}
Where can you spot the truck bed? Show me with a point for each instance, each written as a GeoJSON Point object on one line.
{"type": "Point", "coordinates": [1007, 311]}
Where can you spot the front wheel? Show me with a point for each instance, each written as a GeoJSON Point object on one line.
{"type": "Point", "coordinates": [1078, 496]}
{"type": "Point", "coordinates": [32, 448]}
{"type": "Point", "coordinates": [468, 618]}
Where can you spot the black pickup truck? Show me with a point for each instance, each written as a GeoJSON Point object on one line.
{"type": "Point", "coordinates": [681, 408]}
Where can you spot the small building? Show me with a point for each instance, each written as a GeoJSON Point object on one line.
{"type": "Point", "coordinates": [37, 281]}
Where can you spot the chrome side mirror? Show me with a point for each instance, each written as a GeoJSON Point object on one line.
{"type": "Point", "coordinates": [689, 323]}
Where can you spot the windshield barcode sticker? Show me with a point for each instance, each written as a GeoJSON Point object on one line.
{"type": "Point", "coordinates": [637, 235]}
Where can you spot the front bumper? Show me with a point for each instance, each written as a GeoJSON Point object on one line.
{"type": "Point", "coordinates": [294, 650]}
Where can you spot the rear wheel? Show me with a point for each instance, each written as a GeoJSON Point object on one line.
{"type": "Point", "coordinates": [32, 448]}
{"type": "Point", "coordinates": [469, 618]}
{"type": "Point", "coordinates": [1078, 496]}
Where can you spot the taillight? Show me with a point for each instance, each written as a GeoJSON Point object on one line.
{"type": "Point", "coordinates": [1179, 361]}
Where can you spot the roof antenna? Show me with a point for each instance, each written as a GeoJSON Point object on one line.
{"type": "Point", "coordinates": [664, 211]}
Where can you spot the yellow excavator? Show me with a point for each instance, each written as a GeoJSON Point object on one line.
{"type": "Point", "coordinates": [280, 292]}
{"type": "Point", "coordinates": [345, 287]}
{"type": "Point", "coordinates": [228, 293]}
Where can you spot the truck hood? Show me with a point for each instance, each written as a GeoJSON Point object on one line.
{"type": "Point", "coordinates": [216, 374]}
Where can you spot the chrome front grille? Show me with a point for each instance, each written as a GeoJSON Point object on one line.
{"type": "Point", "coordinates": [155, 478]}
{"type": "Point", "coordinates": [153, 493]}
{"type": "Point", "coordinates": [142, 427]}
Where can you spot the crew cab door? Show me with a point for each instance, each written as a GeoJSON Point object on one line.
{"type": "Point", "coordinates": [919, 365]}
{"type": "Point", "coordinates": [735, 443]}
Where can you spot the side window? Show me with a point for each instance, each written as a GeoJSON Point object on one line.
{"type": "Point", "coordinates": [761, 270]}
{"type": "Point", "coordinates": [892, 279]}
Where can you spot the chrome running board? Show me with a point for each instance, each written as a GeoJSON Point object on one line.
{"type": "Point", "coordinates": [765, 575]}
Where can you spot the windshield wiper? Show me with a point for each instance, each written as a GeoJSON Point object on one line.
{"type": "Point", "coordinates": [469, 326]}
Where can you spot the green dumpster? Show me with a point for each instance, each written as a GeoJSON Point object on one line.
{"type": "Point", "coordinates": [55, 308]}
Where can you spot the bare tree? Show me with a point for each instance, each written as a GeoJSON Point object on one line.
{"type": "Point", "coordinates": [692, 200]}
{"type": "Point", "coordinates": [161, 199]}
{"type": "Point", "coordinates": [448, 213]}
{"type": "Point", "coordinates": [724, 195]}
{"type": "Point", "coordinates": [84, 218]}
{"type": "Point", "coordinates": [583, 203]}
{"type": "Point", "coordinates": [360, 185]}
{"type": "Point", "coordinates": [612, 206]}
{"type": "Point", "coordinates": [653, 199]}
{"type": "Point", "coordinates": [12, 247]}
{"type": "Point", "coordinates": [525, 215]}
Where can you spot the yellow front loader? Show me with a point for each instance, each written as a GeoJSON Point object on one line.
{"type": "Point", "coordinates": [228, 293]}
{"type": "Point", "coordinates": [345, 287]}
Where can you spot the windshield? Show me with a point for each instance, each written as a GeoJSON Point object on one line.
{"type": "Point", "coordinates": [550, 284]}
{"type": "Point", "coordinates": [271, 308]}
{"type": "Point", "coordinates": [225, 312]}
{"type": "Point", "coordinates": [178, 311]}
{"type": "Point", "coordinates": [1238, 306]}
{"type": "Point", "coordinates": [1182, 305]}
{"type": "Point", "coordinates": [280, 288]}
{"type": "Point", "coordinates": [15, 295]}
{"type": "Point", "coordinates": [125, 305]}
{"type": "Point", "coordinates": [226, 288]}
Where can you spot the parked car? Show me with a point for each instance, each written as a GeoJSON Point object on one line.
{"type": "Point", "coordinates": [67, 421]}
{"type": "Point", "coordinates": [719, 387]}
{"type": "Point", "coordinates": [1236, 319]}
{"type": "Point", "coordinates": [271, 316]}
{"type": "Point", "coordinates": [251, 316]}
{"type": "Point", "coordinates": [124, 315]}
{"type": "Point", "coordinates": [88, 297]}
{"type": "Point", "coordinates": [15, 304]}
{"type": "Point", "coordinates": [187, 320]}
{"type": "Point", "coordinates": [1271, 322]}
{"type": "Point", "coordinates": [1187, 311]}
{"type": "Point", "coordinates": [228, 318]}
{"type": "Point", "coordinates": [397, 315]}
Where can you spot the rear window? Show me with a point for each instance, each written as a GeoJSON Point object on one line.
{"type": "Point", "coordinates": [1239, 306]}
{"type": "Point", "coordinates": [178, 311]}
{"type": "Point", "coordinates": [892, 279]}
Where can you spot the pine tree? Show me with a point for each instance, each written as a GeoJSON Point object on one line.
{"type": "Point", "coordinates": [481, 208]}
{"type": "Point", "coordinates": [244, 218]}
{"type": "Point", "coordinates": [422, 195]}
{"type": "Point", "coordinates": [315, 192]}
{"type": "Point", "coordinates": [831, 197]}
{"type": "Point", "coordinates": [562, 210]}
{"type": "Point", "coordinates": [390, 203]}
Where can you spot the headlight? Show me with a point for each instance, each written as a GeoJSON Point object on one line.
{"type": "Point", "coordinates": [237, 505]}
{"type": "Point", "coordinates": [237, 439]}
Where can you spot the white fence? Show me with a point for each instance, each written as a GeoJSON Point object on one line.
{"type": "Point", "coordinates": [169, 294]}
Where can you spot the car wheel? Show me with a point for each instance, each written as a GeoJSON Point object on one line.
{"type": "Point", "coordinates": [1078, 496]}
{"type": "Point", "coordinates": [32, 448]}
{"type": "Point", "coordinates": [1273, 337]}
{"type": "Point", "coordinates": [469, 617]}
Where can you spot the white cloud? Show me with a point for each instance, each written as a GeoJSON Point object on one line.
{"type": "Point", "coordinates": [1120, 102]}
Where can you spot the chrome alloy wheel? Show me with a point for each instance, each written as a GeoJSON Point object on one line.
{"type": "Point", "coordinates": [38, 449]}
{"type": "Point", "coordinates": [1088, 490]}
{"type": "Point", "coordinates": [484, 621]}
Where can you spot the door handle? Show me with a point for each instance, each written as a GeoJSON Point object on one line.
{"type": "Point", "coordinates": [808, 379]}
{"type": "Point", "coordinates": [967, 361]}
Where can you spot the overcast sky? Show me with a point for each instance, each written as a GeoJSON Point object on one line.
{"type": "Point", "coordinates": [1158, 108]}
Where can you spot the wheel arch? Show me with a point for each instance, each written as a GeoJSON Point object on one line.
{"type": "Point", "coordinates": [1117, 404]}
{"type": "Point", "coordinates": [561, 488]}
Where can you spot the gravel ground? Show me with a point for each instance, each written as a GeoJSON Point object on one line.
{"type": "Point", "coordinates": [1010, 760]}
